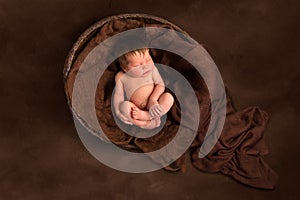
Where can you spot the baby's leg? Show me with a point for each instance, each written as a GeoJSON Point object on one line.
{"type": "Point", "coordinates": [166, 101]}
{"type": "Point", "coordinates": [152, 124]}
{"type": "Point", "coordinates": [140, 114]}
{"type": "Point", "coordinates": [126, 109]}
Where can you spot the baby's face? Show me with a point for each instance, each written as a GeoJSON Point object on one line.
{"type": "Point", "coordinates": [139, 65]}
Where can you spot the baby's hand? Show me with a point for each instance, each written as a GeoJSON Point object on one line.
{"type": "Point", "coordinates": [156, 111]}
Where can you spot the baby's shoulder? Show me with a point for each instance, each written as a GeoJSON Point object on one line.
{"type": "Point", "coordinates": [119, 75]}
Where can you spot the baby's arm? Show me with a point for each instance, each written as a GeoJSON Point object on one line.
{"type": "Point", "coordinates": [118, 98]}
{"type": "Point", "coordinates": [156, 110]}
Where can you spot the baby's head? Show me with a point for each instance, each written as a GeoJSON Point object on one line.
{"type": "Point", "coordinates": [134, 59]}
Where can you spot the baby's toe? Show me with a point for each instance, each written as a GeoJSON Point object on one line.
{"type": "Point", "coordinates": [134, 115]}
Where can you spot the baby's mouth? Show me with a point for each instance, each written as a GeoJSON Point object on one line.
{"type": "Point", "coordinates": [147, 72]}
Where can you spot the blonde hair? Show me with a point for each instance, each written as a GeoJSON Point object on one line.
{"type": "Point", "coordinates": [123, 58]}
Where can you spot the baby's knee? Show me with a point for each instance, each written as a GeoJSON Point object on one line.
{"type": "Point", "coordinates": [125, 108]}
{"type": "Point", "coordinates": [168, 97]}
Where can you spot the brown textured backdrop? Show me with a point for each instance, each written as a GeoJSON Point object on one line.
{"type": "Point", "coordinates": [254, 43]}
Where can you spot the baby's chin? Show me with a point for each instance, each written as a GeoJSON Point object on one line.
{"type": "Point", "coordinates": [140, 74]}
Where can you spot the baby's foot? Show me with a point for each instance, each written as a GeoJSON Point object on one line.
{"type": "Point", "coordinates": [152, 124]}
{"type": "Point", "coordinates": [139, 114]}
{"type": "Point", "coordinates": [140, 123]}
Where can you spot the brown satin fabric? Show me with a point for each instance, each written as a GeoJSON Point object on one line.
{"type": "Point", "coordinates": [239, 151]}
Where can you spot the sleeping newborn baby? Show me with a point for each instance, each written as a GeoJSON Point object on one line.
{"type": "Point", "coordinates": [139, 96]}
